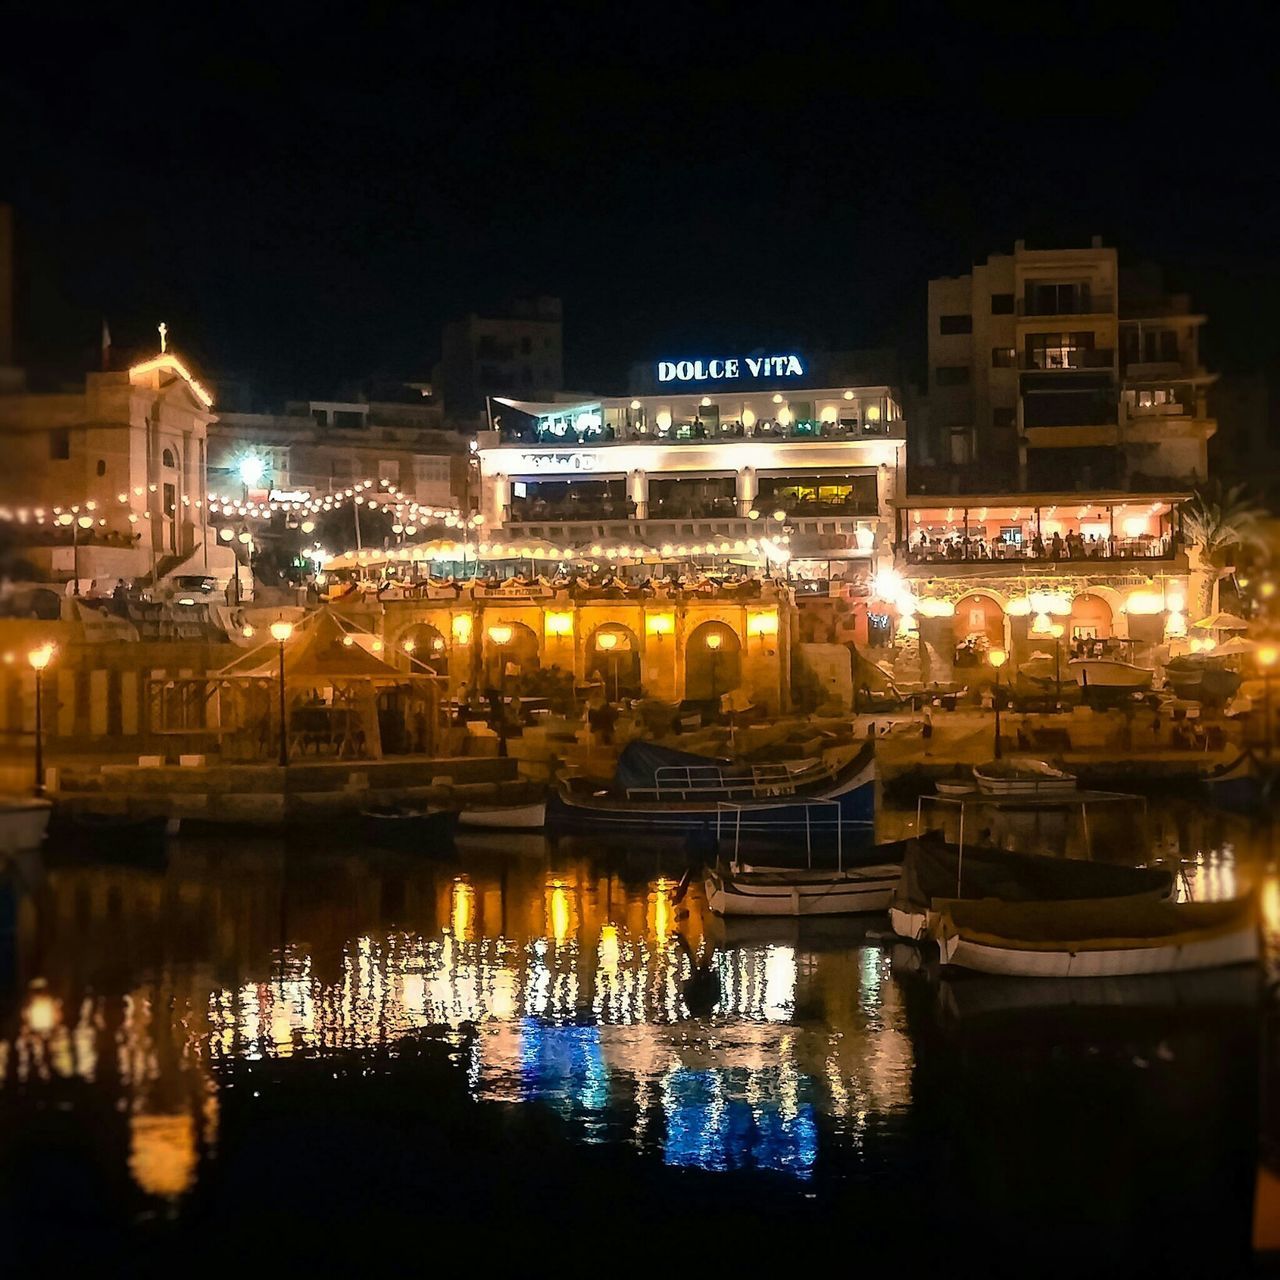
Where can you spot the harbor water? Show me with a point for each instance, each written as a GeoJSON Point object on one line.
{"type": "Point", "coordinates": [260, 1056]}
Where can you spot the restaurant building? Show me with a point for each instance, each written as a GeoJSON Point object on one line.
{"type": "Point", "coordinates": [758, 458]}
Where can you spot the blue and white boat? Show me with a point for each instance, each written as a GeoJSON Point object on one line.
{"type": "Point", "coordinates": [664, 790]}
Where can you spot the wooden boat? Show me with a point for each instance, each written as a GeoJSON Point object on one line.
{"type": "Point", "coordinates": [658, 789]}
{"type": "Point", "coordinates": [421, 830]}
{"type": "Point", "coordinates": [955, 787]}
{"type": "Point", "coordinates": [933, 870]}
{"type": "Point", "coordinates": [1101, 938]}
{"type": "Point", "coordinates": [23, 823]}
{"type": "Point", "coordinates": [1022, 776]}
{"type": "Point", "coordinates": [1199, 677]}
{"type": "Point", "coordinates": [112, 837]}
{"type": "Point", "coordinates": [793, 892]}
{"type": "Point", "coordinates": [1109, 673]}
{"type": "Point", "coordinates": [505, 817]}
{"type": "Point", "coordinates": [1242, 782]}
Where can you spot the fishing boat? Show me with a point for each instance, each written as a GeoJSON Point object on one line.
{"type": "Point", "coordinates": [933, 870]}
{"type": "Point", "coordinates": [23, 823]}
{"type": "Point", "coordinates": [1109, 673]}
{"type": "Point", "coordinates": [1242, 782]}
{"type": "Point", "coordinates": [1098, 938]}
{"type": "Point", "coordinates": [398, 827]}
{"type": "Point", "coordinates": [111, 837]}
{"type": "Point", "coordinates": [955, 786]}
{"type": "Point", "coordinates": [1200, 677]}
{"type": "Point", "coordinates": [1023, 776]}
{"type": "Point", "coordinates": [505, 817]}
{"type": "Point", "coordinates": [801, 893]}
{"type": "Point", "coordinates": [659, 789]}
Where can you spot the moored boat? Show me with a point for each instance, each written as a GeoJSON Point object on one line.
{"type": "Point", "coordinates": [659, 789]}
{"type": "Point", "coordinates": [398, 827]}
{"type": "Point", "coordinates": [1241, 782]}
{"type": "Point", "coordinates": [505, 817]}
{"type": "Point", "coordinates": [1100, 938]}
{"type": "Point", "coordinates": [111, 837]}
{"type": "Point", "coordinates": [801, 892]}
{"type": "Point", "coordinates": [23, 823]}
{"type": "Point", "coordinates": [933, 870]}
{"type": "Point", "coordinates": [1109, 673]}
{"type": "Point", "coordinates": [1022, 776]}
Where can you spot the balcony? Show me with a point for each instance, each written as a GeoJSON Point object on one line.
{"type": "Point", "coordinates": [955, 552]}
{"type": "Point", "coordinates": [1089, 304]}
{"type": "Point", "coordinates": [701, 433]}
{"type": "Point", "coordinates": [1052, 360]}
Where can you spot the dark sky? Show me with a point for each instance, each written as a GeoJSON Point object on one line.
{"type": "Point", "coordinates": [305, 194]}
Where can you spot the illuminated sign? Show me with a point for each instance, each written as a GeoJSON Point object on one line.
{"type": "Point", "coordinates": [579, 460]}
{"type": "Point", "coordinates": [730, 368]}
{"type": "Point", "coordinates": [289, 495]}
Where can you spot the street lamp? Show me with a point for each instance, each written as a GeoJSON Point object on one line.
{"type": "Point", "coordinates": [997, 658]}
{"type": "Point", "coordinates": [714, 641]}
{"type": "Point", "coordinates": [39, 659]}
{"type": "Point", "coordinates": [1056, 632]}
{"type": "Point", "coordinates": [608, 641]}
{"type": "Point", "coordinates": [500, 635]}
{"type": "Point", "coordinates": [280, 632]}
{"type": "Point", "coordinates": [1267, 655]}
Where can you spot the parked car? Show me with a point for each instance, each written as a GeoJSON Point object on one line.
{"type": "Point", "coordinates": [193, 589]}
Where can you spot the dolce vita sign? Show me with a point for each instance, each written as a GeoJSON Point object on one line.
{"type": "Point", "coordinates": [730, 368]}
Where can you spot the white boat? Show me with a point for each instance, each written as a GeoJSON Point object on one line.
{"type": "Point", "coordinates": [957, 787]}
{"type": "Point", "coordinates": [801, 893]}
{"type": "Point", "coordinates": [1102, 938]}
{"type": "Point", "coordinates": [1110, 673]}
{"type": "Point", "coordinates": [23, 823]}
{"type": "Point", "coordinates": [505, 817]}
{"type": "Point", "coordinates": [1022, 776]}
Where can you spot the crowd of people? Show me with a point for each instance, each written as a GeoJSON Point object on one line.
{"type": "Point", "coordinates": [1072, 546]}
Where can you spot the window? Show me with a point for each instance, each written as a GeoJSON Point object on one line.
{"type": "Point", "coordinates": [1058, 350]}
{"type": "Point", "coordinates": [1004, 417]}
{"type": "Point", "coordinates": [102, 466]}
{"type": "Point", "coordinates": [1012, 534]}
{"type": "Point", "coordinates": [1002, 304]}
{"type": "Point", "coordinates": [1057, 299]}
{"type": "Point", "coordinates": [1003, 357]}
{"type": "Point", "coordinates": [352, 419]}
{"type": "Point", "coordinates": [952, 375]}
{"type": "Point", "coordinates": [1169, 345]}
{"type": "Point", "coordinates": [1160, 345]}
{"type": "Point", "coordinates": [59, 444]}
{"type": "Point", "coordinates": [955, 324]}
{"type": "Point", "coordinates": [167, 458]}
{"type": "Point", "coordinates": [170, 500]}
{"type": "Point", "coordinates": [389, 471]}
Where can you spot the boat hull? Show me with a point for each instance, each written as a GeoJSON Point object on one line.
{"type": "Point", "coordinates": [417, 832]}
{"type": "Point", "coordinates": [769, 894]}
{"type": "Point", "coordinates": [507, 817]}
{"type": "Point", "coordinates": [23, 824]}
{"type": "Point", "coordinates": [1103, 673]}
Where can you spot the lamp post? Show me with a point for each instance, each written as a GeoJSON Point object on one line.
{"type": "Point", "coordinates": [608, 642]}
{"type": "Point", "coordinates": [1056, 632]}
{"type": "Point", "coordinates": [501, 636]}
{"type": "Point", "coordinates": [997, 658]}
{"type": "Point", "coordinates": [714, 641]}
{"type": "Point", "coordinates": [280, 632]}
{"type": "Point", "coordinates": [39, 659]}
{"type": "Point", "coordinates": [1267, 655]}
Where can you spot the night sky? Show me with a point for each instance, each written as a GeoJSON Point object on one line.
{"type": "Point", "coordinates": [306, 194]}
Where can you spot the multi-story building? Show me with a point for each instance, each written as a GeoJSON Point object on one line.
{"type": "Point", "coordinates": [516, 350]}
{"type": "Point", "coordinates": [325, 446]}
{"type": "Point", "coordinates": [1054, 369]}
{"type": "Point", "coordinates": [728, 456]}
{"type": "Point", "coordinates": [110, 481]}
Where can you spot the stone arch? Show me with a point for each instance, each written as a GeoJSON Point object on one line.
{"type": "Point", "coordinates": [422, 649]}
{"type": "Point", "coordinates": [521, 651]}
{"type": "Point", "coordinates": [978, 625]}
{"type": "Point", "coordinates": [619, 665]}
{"type": "Point", "coordinates": [1092, 617]}
{"type": "Point", "coordinates": [712, 661]}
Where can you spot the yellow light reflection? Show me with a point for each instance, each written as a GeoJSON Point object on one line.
{"type": "Point", "coordinates": [462, 908]}
{"type": "Point", "coordinates": [162, 1154]}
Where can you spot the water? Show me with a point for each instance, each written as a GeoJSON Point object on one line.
{"type": "Point", "coordinates": [303, 1056]}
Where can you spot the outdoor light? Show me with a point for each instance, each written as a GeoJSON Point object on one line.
{"type": "Point", "coordinates": [308, 526]}
{"type": "Point", "coordinates": [245, 538]}
{"type": "Point", "coordinates": [706, 402]}
{"type": "Point", "coordinates": [500, 634]}
{"type": "Point", "coordinates": [39, 659]}
{"type": "Point", "coordinates": [42, 1009]}
{"type": "Point", "coordinates": [753, 514]}
{"type": "Point", "coordinates": [714, 640]}
{"type": "Point", "coordinates": [779, 515]}
{"type": "Point", "coordinates": [409, 646]}
{"type": "Point", "coordinates": [777, 398]}
{"type": "Point", "coordinates": [607, 640]}
{"type": "Point", "coordinates": [247, 631]}
{"type": "Point", "coordinates": [251, 470]}
{"type": "Point", "coordinates": [635, 404]}
{"type": "Point", "coordinates": [997, 658]}
{"type": "Point", "coordinates": [848, 395]}
{"type": "Point", "coordinates": [659, 624]}
{"type": "Point", "coordinates": [559, 624]}
{"type": "Point", "coordinates": [85, 522]}
{"type": "Point", "coordinates": [762, 624]}
{"type": "Point", "coordinates": [461, 627]}
{"type": "Point", "coordinates": [281, 631]}
{"type": "Point", "coordinates": [348, 641]}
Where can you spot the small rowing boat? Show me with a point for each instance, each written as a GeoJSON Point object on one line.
{"type": "Point", "coordinates": [1109, 673]}
{"type": "Point", "coordinates": [421, 830]}
{"type": "Point", "coordinates": [23, 822]}
{"type": "Point", "coordinates": [1023, 776]}
{"type": "Point", "coordinates": [1103, 938]}
{"type": "Point", "coordinates": [790, 892]}
{"type": "Point", "coordinates": [505, 817]}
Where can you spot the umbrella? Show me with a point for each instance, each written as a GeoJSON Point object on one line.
{"type": "Point", "coordinates": [615, 550]}
{"type": "Point", "coordinates": [1236, 645]}
{"type": "Point", "coordinates": [521, 549]}
{"type": "Point", "coordinates": [1222, 622]}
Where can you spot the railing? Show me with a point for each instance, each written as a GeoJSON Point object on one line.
{"type": "Point", "coordinates": [809, 510]}
{"type": "Point", "coordinates": [686, 434]}
{"type": "Point", "coordinates": [1091, 304]}
{"type": "Point", "coordinates": [950, 552]}
{"type": "Point", "coordinates": [707, 781]}
{"type": "Point", "coordinates": [1050, 361]}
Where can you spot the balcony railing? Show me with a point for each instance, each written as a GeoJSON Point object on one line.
{"type": "Point", "coordinates": [1091, 304]}
{"type": "Point", "coordinates": [952, 551]}
{"type": "Point", "coordinates": [700, 434]}
{"type": "Point", "coordinates": [1050, 360]}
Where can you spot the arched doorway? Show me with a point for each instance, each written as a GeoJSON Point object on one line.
{"type": "Point", "coordinates": [614, 653]}
{"type": "Point", "coordinates": [510, 650]}
{"type": "Point", "coordinates": [1091, 618]}
{"type": "Point", "coordinates": [977, 628]}
{"type": "Point", "coordinates": [712, 662]}
{"type": "Point", "coordinates": [422, 650]}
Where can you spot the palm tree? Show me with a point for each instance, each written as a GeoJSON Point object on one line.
{"type": "Point", "coordinates": [1217, 522]}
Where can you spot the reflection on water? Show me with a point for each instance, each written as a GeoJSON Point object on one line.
{"type": "Point", "coordinates": [555, 981]}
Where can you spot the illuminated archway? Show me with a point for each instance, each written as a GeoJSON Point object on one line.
{"type": "Point", "coordinates": [1092, 618]}
{"type": "Point", "coordinates": [613, 652]}
{"type": "Point", "coordinates": [712, 661]}
{"type": "Point", "coordinates": [510, 650]}
{"type": "Point", "coordinates": [977, 627]}
{"type": "Point", "coordinates": [422, 650]}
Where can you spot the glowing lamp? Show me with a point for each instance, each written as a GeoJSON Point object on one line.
{"type": "Point", "coordinates": [777, 398]}
{"type": "Point", "coordinates": [281, 631]}
{"type": "Point", "coordinates": [1175, 624]}
{"type": "Point", "coordinates": [1056, 630]}
{"type": "Point", "coordinates": [1267, 655]}
{"type": "Point", "coordinates": [501, 634]}
{"type": "Point", "coordinates": [997, 658]}
{"type": "Point", "coordinates": [936, 608]}
{"type": "Point", "coordinates": [779, 514]}
{"type": "Point", "coordinates": [42, 1009]}
{"type": "Point", "coordinates": [848, 395]}
{"type": "Point", "coordinates": [635, 404]}
{"type": "Point", "coordinates": [559, 624]}
{"type": "Point", "coordinates": [706, 402]}
{"type": "Point", "coordinates": [41, 657]}
{"type": "Point", "coordinates": [663, 420]}
{"type": "Point", "coordinates": [762, 624]}
{"type": "Point", "coordinates": [607, 640]}
{"type": "Point", "coordinates": [251, 470]}
{"type": "Point", "coordinates": [659, 624]}
{"type": "Point", "coordinates": [1041, 625]}
{"type": "Point", "coordinates": [748, 419]}
{"type": "Point", "coordinates": [1144, 603]}
{"type": "Point", "coordinates": [714, 640]}
{"type": "Point", "coordinates": [410, 646]}
{"type": "Point", "coordinates": [85, 522]}
{"type": "Point", "coordinates": [461, 627]}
